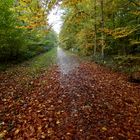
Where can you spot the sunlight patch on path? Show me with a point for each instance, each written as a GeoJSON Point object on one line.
{"type": "Point", "coordinates": [66, 62]}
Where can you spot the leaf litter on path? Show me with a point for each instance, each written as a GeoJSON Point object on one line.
{"type": "Point", "coordinates": [89, 102]}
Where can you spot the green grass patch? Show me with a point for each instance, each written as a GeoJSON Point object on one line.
{"type": "Point", "coordinates": [34, 66]}
{"type": "Point", "coordinates": [42, 62]}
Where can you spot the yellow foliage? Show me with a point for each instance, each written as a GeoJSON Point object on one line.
{"type": "Point", "coordinates": [119, 32]}
{"type": "Point", "coordinates": [31, 14]}
{"type": "Point", "coordinates": [72, 2]}
{"type": "Point", "coordinates": [137, 13]}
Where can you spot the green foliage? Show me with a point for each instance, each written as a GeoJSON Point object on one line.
{"type": "Point", "coordinates": [51, 39]}
{"type": "Point", "coordinates": [11, 41]}
{"type": "Point", "coordinates": [24, 30]}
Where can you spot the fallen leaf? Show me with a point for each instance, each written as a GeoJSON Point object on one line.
{"type": "Point", "coordinates": [16, 132]}
{"type": "Point", "coordinates": [104, 129]}
{"type": "Point", "coordinates": [2, 134]}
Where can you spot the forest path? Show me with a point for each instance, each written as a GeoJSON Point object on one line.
{"type": "Point", "coordinates": [74, 100]}
{"type": "Point", "coordinates": [66, 62]}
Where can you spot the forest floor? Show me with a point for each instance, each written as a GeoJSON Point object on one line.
{"type": "Point", "coordinates": [72, 100]}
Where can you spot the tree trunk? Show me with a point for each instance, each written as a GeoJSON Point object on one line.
{"type": "Point", "coordinates": [102, 27]}
{"type": "Point", "coordinates": [95, 30]}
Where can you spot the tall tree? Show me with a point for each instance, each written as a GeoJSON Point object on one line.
{"type": "Point", "coordinates": [95, 28]}
{"type": "Point", "coordinates": [102, 27]}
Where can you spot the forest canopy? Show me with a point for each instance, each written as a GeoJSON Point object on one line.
{"type": "Point", "coordinates": [102, 27]}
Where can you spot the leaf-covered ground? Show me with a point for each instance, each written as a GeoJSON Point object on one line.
{"type": "Point", "coordinates": [72, 101]}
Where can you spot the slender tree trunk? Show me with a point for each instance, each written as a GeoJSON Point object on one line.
{"type": "Point", "coordinates": [114, 26]}
{"type": "Point", "coordinates": [113, 20]}
{"type": "Point", "coordinates": [102, 26]}
{"type": "Point", "coordinates": [95, 29]}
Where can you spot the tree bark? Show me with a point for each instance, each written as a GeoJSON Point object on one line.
{"type": "Point", "coordinates": [95, 29]}
{"type": "Point", "coordinates": [102, 27]}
